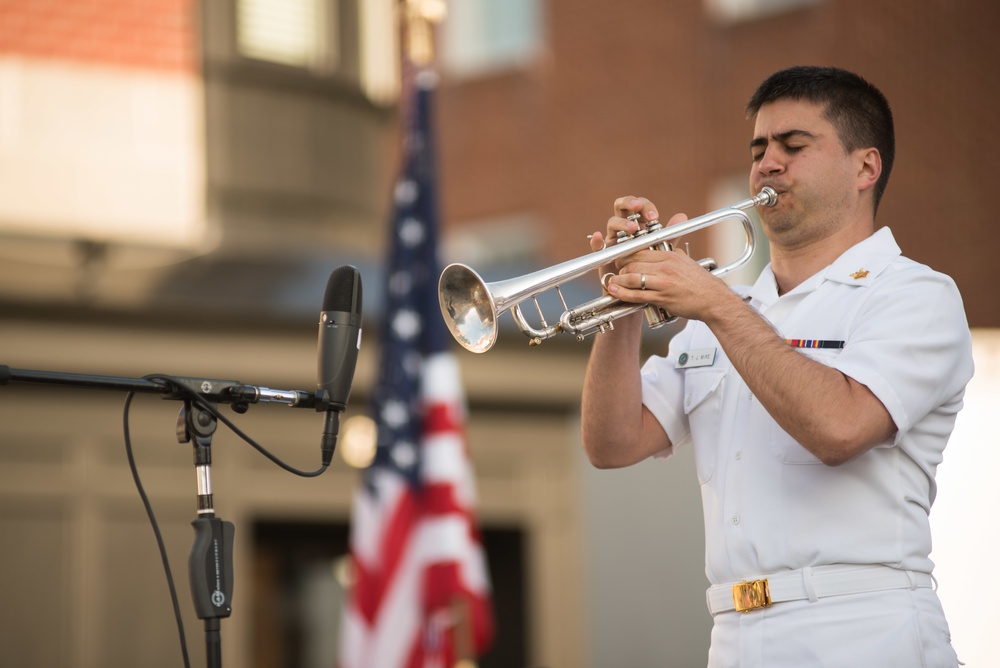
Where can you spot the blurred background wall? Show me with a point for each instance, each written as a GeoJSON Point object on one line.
{"type": "Point", "coordinates": [178, 179]}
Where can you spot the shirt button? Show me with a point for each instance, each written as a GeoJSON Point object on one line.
{"type": "Point", "coordinates": [735, 520]}
{"type": "Point", "coordinates": [739, 454]}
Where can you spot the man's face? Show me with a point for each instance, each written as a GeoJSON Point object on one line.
{"type": "Point", "coordinates": [798, 153]}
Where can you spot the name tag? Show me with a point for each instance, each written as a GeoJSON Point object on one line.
{"type": "Point", "coordinates": [694, 358]}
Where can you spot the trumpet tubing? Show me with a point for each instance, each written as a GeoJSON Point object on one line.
{"type": "Point", "coordinates": [470, 306]}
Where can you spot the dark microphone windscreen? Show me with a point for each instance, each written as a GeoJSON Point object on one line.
{"type": "Point", "coordinates": [343, 291]}
{"type": "Point", "coordinates": [339, 336]}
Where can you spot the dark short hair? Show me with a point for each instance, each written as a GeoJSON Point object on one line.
{"type": "Point", "coordinates": [857, 109]}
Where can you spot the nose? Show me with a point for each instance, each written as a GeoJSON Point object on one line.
{"type": "Point", "coordinates": [770, 162]}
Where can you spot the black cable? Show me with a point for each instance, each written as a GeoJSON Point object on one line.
{"type": "Point", "coordinates": [156, 531]}
{"type": "Point", "coordinates": [194, 396]}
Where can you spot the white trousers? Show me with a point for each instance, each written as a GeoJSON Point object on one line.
{"type": "Point", "coordinates": [899, 628]}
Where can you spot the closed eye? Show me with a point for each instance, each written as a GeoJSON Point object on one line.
{"type": "Point", "coordinates": [788, 149]}
{"type": "Point", "coordinates": [759, 145]}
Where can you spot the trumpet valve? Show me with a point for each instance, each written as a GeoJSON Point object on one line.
{"type": "Point", "coordinates": [657, 317]}
{"type": "Point", "coordinates": [708, 263]}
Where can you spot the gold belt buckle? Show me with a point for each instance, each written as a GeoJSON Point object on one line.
{"type": "Point", "coordinates": [751, 595]}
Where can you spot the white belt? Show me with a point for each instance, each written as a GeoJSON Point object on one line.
{"type": "Point", "coordinates": [812, 583]}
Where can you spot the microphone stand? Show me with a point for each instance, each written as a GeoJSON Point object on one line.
{"type": "Point", "coordinates": [210, 563]}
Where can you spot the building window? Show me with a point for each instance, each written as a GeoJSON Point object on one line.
{"type": "Point", "coordinates": [353, 41]}
{"type": "Point", "coordinates": [299, 33]}
{"type": "Point", "coordinates": [483, 36]}
{"type": "Point", "coordinates": [732, 11]}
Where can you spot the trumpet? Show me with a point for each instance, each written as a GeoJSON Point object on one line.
{"type": "Point", "coordinates": [470, 306]}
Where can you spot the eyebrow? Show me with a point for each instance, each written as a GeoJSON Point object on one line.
{"type": "Point", "coordinates": [781, 137]}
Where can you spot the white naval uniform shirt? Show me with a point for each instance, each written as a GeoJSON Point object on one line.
{"type": "Point", "coordinates": [769, 504]}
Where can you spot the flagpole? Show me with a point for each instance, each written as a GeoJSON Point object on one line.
{"type": "Point", "coordinates": [421, 17]}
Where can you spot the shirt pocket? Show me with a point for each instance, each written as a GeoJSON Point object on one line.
{"type": "Point", "coordinates": [703, 407]}
{"type": "Point", "coordinates": [784, 448]}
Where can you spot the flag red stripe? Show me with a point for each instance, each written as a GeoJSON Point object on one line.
{"type": "Point", "coordinates": [415, 659]}
{"type": "Point", "coordinates": [441, 418]}
{"type": "Point", "coordinates": [371, 585]}
{"type": "Point", "coordinates": [439, 499]}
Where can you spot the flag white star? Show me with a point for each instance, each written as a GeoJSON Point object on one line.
{"type": "Point", "coordinates": [400, 283]}
{"type": "Point", "coordinates": [406, 325]}
{"type": "Point", "coordinates": [395, 414]}
{"type": "Point", "coordinates": [404, 454]}
{"type": "Point", "coordinates": [406, 192]}
{"type": "Point", "coordinates": [411, 232]}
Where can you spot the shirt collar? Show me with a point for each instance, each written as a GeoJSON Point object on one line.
{"type": "Point", "coordinates": [858, 265]}
{"type": "Point", "coordinates": [862, 263]}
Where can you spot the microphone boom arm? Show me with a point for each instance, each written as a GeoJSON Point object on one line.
{"type": "Point", "coordinates": [231, 392]}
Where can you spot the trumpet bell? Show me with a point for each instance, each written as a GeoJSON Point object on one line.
{"type": "Point", "coordinates": [469, 309]}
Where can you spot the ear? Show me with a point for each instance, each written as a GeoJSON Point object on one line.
{"type": "Point", "coordinates": [869, 167]}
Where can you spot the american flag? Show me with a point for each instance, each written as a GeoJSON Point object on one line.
{"type": "Point", "coordinates": [421, 590]}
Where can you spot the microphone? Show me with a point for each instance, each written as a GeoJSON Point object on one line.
{"type": "Point", "coordinates": [339, 342]}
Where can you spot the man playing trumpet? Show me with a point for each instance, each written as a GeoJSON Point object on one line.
{"type": "Point", "coordinates": [818, 401]}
